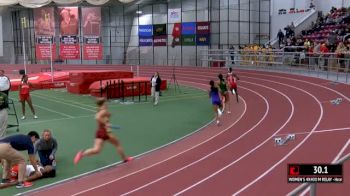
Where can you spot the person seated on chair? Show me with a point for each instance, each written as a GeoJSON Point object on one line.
{"type": "Point", "coordinates": [3, 114]}
{"type": "Point", "coordinates": [46, 146]}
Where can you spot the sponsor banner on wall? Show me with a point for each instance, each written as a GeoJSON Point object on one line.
{"type": "Point", "coordinates": [203, 40]}
{"type": "Point", "coordinates": [145, 30]}
{"type": "Point", "coordinates": [91, 22]}
{"type": "Point", "coordinates": [69, 48]}
{"type": "Point", "coordinates": [160, 40]}
{"type": "Point", "coordinates": [203, 28]}
{"type": "Point", "coordinates": [174, 15]}
{"type": "Point", "coordinates": [159, 29]}
{"type": "Point", "coordinates": [188, 28]}
{"type": "Point", "coordinates": [145, 41]}
{"type": "Point", "coordinates": [44, 29]}
{"type": "Point", "coordinates": [188, 40]}
{"type": "Point", "coordinates": [42, 48]}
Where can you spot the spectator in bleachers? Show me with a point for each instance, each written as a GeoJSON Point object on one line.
{"type": "Point", "coordinates": [316, 53]}
{"type": "Point", "coordinates": [324, 56]}
{"type": "Point", "coordinates": [280, 36]}
{"type": "Point", "coordinates": [340, 52]}
{"type": "Point", "coordinates": [332, 41]}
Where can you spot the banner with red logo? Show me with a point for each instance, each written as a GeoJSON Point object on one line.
{"type": "Point", "coordinates": [176, 33]}
{"type": "Point", "coordinates": [91, 22]}
{"type": "Point", "coordinates": [44, 28]}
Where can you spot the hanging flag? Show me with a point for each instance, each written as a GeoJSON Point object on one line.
{"type": "Point", "coordinates": [176, 35]}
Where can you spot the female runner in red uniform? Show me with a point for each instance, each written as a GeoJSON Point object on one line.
{"type": "Point", "coordinates": [232, 80]}
{"type": "Point", "coordinates": [24, 95]}
{"type": "Point", "coordinates": [103, 134]}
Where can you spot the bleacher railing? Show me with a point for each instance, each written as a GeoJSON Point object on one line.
{"type": "Point", "coordinates": [329, 66]}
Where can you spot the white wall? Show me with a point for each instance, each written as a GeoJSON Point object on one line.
{"type": "Point", "coordinates": [325, 5]}
{"type": "Point", "coordinates": [321, 5]}
{"type": "Point", "coordinates": [287, 4]}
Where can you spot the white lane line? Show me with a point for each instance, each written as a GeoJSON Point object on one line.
{"type": "Point", "coordinates": [213, 152]}
{"type": "Point", "coordinates": [63, 102]}
{"type": "Point", "coordinates": [295, 148]}
{"type": "Point", "coordinates": [252, 150]}
{"type": "Point", "coordinates": [318, 131]}
{"type": "Point", "coordinates": [53, 120]}
{"type": "Point", "coordinates": [48, 109]}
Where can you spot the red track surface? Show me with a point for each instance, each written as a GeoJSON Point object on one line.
{"type": "Point", "coordinates": [238, 157]}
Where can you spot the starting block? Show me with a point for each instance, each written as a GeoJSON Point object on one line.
{"type": "Point", "coordinates": [336, 101]}
{"type": "Point", "coordinates": [279, 141]}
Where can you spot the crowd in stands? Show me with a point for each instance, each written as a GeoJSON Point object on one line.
{"type": "Point", "coordinates": [329, 36]}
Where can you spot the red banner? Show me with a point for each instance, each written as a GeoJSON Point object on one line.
{"type": "Point", "coordinates": [160, 40]}
{"type": "Point", "coordinates": [92, 51]}
{"type": "Point", "coordinates": [203, 28]}
{"type": "Point", "coordinates": [70, 51]}
{"type": "Point", "coordinates": [42, 51]}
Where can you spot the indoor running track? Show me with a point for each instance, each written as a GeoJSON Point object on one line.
{"type": "Point", "coordinates": [238, 157]}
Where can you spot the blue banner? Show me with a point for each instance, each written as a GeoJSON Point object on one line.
{"type": "Point", "coordinates": [188, 28]}
{"type": "Point", "coordinates": [145, 41]}
{"type": "Point", "coordinates": [145, 30]}
{"type": "Point", "coordinates": [203, 40]}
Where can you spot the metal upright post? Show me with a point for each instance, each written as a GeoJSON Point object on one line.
{"type": "Point", "coordinates": [23, 26]}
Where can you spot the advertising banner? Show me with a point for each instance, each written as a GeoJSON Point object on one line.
{"type": "Point", "coordinates": [203, 28]}
{"type": "Point", "coordinates": [159, 29]}
{"type": "Point", "coordinates": [145, 41]}
{"type": "Point", "coordinates": [188, 40]}
{"type": "Point", "coordinates": [160, 40]}
{"type": "Point", "coordinates": [188, 28]}
{"type": "Point", "coordinates": [145, 30]}
{"type": "Point", "coordinates": [203, 40]}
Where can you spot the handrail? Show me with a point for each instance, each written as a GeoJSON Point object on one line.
{"type": "Point", "coordinates": [304, 186]}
